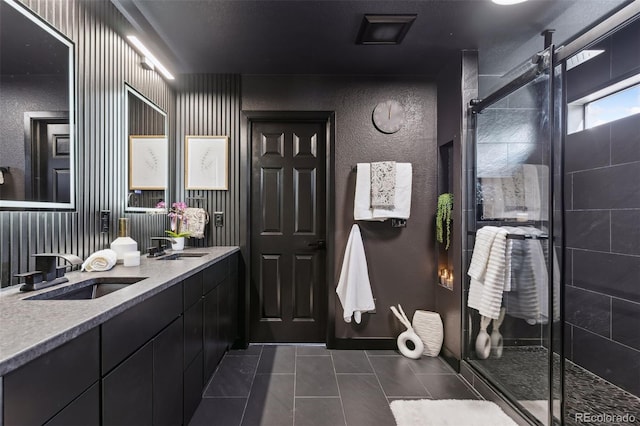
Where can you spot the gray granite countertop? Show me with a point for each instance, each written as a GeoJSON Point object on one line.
{"type": "Point", "coordinates": [30, 328]}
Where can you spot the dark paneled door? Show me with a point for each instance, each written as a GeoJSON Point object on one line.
{"type": "Point", "coordinates": [288, 205]}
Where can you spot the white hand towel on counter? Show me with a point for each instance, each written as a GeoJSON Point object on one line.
{"type": "Point", "coordinates": [354, 287]}
{"type": "Point", "coordinates": [102, 260]}
{"type": "Point", "coordinates": [362, 203]}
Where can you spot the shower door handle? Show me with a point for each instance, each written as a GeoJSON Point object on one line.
{"type": "Point", "coordinates": [319, 245]}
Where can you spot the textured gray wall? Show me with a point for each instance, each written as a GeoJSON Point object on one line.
{"type": "Point", "coordinates": [400, 260]}
{"type": "Point", "coordinates": [104, 62]}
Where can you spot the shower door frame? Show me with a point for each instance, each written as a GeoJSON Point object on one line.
{"type": "Point", "coordinates": [545, 61]}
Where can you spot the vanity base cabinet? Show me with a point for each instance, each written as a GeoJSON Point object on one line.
{"type": "Point", "coordinates": [168, 375]}
{"type": "Point", "coordinates": [127, 391]}
{"type": "Point", "coordinates": [42, 388]}
{"type": "Point", "coordinates": [83, 411]}
{"type": "Point", "coordinates": [193, 386]}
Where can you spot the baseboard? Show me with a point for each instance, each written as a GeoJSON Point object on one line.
{"type": "Point", "coordinates": [365, 344]}
{"type": "Point", "coordinates": [450, 359]}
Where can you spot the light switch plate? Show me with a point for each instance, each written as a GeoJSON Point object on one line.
{"type": "Point", "coordinates": [218, 219]}
{"type": "Point", "coordinates": [105, 220]}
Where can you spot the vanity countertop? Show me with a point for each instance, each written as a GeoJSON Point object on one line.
{"type": "Point", "coordinates": [30, 328]}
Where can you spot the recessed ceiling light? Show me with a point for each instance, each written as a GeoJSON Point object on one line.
{"type": "Point", "coordinates": [508, 2]}
{"type": "Point", "coordinates": [384, 29]}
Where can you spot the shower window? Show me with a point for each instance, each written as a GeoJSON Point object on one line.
{"type": "Point", "coordinates": [613, 107]}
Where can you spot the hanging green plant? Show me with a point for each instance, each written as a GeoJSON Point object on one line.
{"type": "Point", "coordinates": [443, 218]}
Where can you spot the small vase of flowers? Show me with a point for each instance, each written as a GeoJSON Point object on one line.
{"type": "Point", "coordinates": [178, 221]}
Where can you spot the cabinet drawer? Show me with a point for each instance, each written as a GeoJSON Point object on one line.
{"type": "Point", "coordinates": [37, 391]}
{"type": "Point", "coordinates": [192, 332]}
{"type": "Point", "coordinates": [214, 275]}
{"type": "Point", "coordinates": [83, 411]}
{"type": "Point", "coordinates": [125, 333]}
{"type": "Point", "coordinates": [192, 290]}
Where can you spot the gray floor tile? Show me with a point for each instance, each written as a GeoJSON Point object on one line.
{"type": "Point", "coordinates": [383, 353]}
{"type": "Point", "coordinates": [251, 350]}
{"type": "Point", "coordinates": [304, 350]}
{"type": "Point", "coordinates": [315, 376]}
{"type": "Point", "coordinates": [271, 401]}
{"type": "Point", "coordinates": [429, 365]}
{"type": "Point", "coordinates": [351, 362]}
{"type": "Point", "coordinates": [277, 359]}
{"type": "Point", "coordinates": [396, 376]}
{"type": "Point", "coordinates": [319, 412]}
{"type": "Point", "coordinates": [363, 401]}
{"type": "Point", "coordinates": [444, 386]}
{"type": "Point", "coordinates": [233, 377]}
{"type": "Point", "coordinates": [219, 412]}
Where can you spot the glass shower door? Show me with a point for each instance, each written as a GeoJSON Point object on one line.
{"type": "Point", "coordinates": [512, 300]}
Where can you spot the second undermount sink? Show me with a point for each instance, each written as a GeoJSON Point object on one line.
{"type": "Point", "coordinates": [92, 288]}
{"type": "Point", "coordinates": [175, 256]}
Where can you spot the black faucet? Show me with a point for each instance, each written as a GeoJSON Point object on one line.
{"type": "Point", "coordinates": [159, 250]}
{"type": "Point", "coordinates": [47, 272]}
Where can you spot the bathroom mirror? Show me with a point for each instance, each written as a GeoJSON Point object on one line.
{"type": "Point", "coordinates": [147, 153]}
{"type": "Point", "coordinates": [37, 132]}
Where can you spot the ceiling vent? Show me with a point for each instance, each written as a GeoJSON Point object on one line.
{"type": "Point", "coordinates": [384, 29]}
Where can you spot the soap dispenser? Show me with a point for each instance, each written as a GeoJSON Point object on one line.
{"type": "Point", "coordinates": [124, 243]}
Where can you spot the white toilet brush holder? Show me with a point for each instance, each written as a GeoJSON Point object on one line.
{"type": "Point", "coordinates": [408, 336]}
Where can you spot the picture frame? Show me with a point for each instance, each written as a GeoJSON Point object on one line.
{"type": "Point", "coordinates": [148, 162]}
{"type": "Point", "coordinates": [207, 162]}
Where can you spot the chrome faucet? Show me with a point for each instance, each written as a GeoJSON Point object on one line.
{"type": "Point", "coordinates": [159, 250]}
{"type": "Point", "coordinates": [47, 272]}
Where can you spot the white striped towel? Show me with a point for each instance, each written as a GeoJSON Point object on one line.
{"type": "Point", "coordinates": [486, 296]}
{"type": "Point", "coordinates": [481, 250]}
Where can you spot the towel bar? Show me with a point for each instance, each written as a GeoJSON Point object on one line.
{"type": "Point", "coordinates": [520, 236]}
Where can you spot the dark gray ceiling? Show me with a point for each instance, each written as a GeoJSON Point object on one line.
{"type": "Point", "coordinates": [318, 36]}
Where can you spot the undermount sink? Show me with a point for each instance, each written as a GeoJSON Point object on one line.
{"type": "Point", "coordinates": [89, 289]}
{"type": "Point", "coordinates": [175, 256]}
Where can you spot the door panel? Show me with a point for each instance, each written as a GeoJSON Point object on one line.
{"type": "Point", "coordinates": [288, 204]}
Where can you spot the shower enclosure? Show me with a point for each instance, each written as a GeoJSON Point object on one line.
{"type": "Point", "coordinates": [559, 185]}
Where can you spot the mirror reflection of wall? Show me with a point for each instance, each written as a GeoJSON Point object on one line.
{"type": "Point", "coordinates": [147, 152]}
{"type": "Point", "coordinates": [36, 104]}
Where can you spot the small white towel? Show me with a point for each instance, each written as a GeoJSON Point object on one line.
{"type": "Point", "coordinates": [102, 260]}
{"type": "Point", "coordinates": [354, 287]}
{"type": "Point", "coordinates": [362, 203]}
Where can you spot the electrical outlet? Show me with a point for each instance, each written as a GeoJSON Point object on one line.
{"type": "Point", "coordinates": [105, 220]}
{"type": "Point", "coordinates": [218, 219]}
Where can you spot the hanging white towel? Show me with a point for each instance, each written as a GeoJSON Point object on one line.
{"type": "Point", "coordinates": [197, 220]}
{"type": "Point", "coordinates": [354, 287]}
{"type": "Point", "coordinates": [402, 203]}
{"type": "Point", "coordinates": [102, 260]}
{"type": "Point", "coordinates": [485, 293]}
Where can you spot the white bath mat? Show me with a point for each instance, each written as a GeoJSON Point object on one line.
{"type": "Point", "coordinates": [449, 412]}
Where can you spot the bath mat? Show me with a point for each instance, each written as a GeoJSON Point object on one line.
{"type": "Point", "coordinates": [449, 412]}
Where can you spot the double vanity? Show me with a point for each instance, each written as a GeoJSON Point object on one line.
{"type": "Point", "coordinates": [134, 345]}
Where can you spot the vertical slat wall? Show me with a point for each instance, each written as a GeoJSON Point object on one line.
{"type": "Point", "coordinates": [209, 105]}
{"type": "Point", "coordinates": [103, 63]}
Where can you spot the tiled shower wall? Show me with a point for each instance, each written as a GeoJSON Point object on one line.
{"type": "Point", "coordinates": [602, 200]}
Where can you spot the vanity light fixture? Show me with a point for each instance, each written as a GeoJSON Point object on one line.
{"type": "Point", "coordinates": [149, 57]}
{"type": "Point", "coordinates": [507, 2]}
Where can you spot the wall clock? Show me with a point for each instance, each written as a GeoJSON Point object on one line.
{"type": "Point", "coordinates": [388, 116]}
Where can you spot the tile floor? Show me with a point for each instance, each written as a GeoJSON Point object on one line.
{"type": "Point", "coordinates": [312, 386]}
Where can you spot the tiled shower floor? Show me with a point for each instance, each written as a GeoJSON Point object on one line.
{"type": "Point", "coordinates": [310, 385]}
{"type": "Point", "coordinates": [524, 371]}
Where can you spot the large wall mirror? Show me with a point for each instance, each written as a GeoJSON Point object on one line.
{"type": "Point", "coordinates": [147, 153]}
{"type": "Point", "coordinates": [37, 132]}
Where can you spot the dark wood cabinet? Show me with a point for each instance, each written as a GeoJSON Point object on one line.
{"type": "Point", "coordinates": [127, 391]}
{"type": "Point", "coordinates": [147, 365]}
{"type": "Point", "coordinates": [37, 391]}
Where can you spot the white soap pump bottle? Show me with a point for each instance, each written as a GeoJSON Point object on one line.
{"type": "Point", "coordinates": [124, 243]}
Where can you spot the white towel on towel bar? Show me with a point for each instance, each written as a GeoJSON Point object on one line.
{"type": "Point", "coordinates": [354, 287]}
{"type": "Point", "coordinates": [402, 203]}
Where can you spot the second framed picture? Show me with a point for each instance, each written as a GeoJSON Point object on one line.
{"type": "Point", "coordinates": [206, 162]}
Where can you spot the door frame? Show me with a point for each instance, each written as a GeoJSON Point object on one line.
{"type": "Point", "coordinates": [250, 117]}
